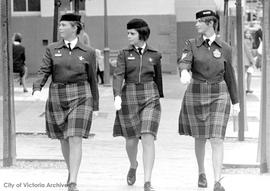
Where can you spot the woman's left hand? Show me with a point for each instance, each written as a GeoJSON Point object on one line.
{"type": "Point", "coordinates": [236, 109]}
{"type": "Point", "coordinates": [95, 114]}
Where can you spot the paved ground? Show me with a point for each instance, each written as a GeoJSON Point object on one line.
{"type": "Point", "coordinates": [105, 164]}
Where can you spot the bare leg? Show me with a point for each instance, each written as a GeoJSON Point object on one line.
{"type": "Point", "coordinates": [249, 76]}
{"type": "Point", "coordinates": [75, 157]}
{"type": "Point", "coordinates": [217, 156]}
{"type": "Point", "coordinates": [132, 150]}
{"type": "Point", "coordinates": [200, 153]}
{"type": "Point", "coordinates": [23, 79]}
{"type": "Point", "coordinates": [65, 151]}
{"type": "Point", "coordinates": [148, 155]}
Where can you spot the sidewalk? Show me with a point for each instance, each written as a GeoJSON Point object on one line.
{"type": "Point", "coordinates": [105, 163]}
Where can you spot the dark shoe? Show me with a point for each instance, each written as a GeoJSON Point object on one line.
{"type": "Point", "coordinates": [148, 187]}
{"type": "Point", "coordinates": [131, 176]}
{"type": "Point", "coordinates": [72, 187]}
{"type": "Point", "coordinates": [249, 91]}
{"type": "Point", "coordinates": [202, 182]}
{"type": "Point", "coordinates": [25, 90]}
{"type": "Point", "coordinates": [218, 187]}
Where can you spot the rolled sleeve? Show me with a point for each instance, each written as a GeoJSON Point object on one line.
{"type": "Point", "coordinates": [229, 77]}
{"type": "Point", "coordinates": [158, 76]}
{"type": "Point", "coordinates": [119, 74]}
{"type": "Point", "coordinates": [91, 68]}
{"type": "Point", "coordinates": [184, 63]}
{"type": "Point", "coordinates": [44, 72]}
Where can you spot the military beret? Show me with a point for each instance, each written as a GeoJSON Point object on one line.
{"type": "Point", "coordinates": [70, 17]}
{"type": "Point", "coordinates": [205, 13]}
{"type": "Point", "coordinates": [136, 24]}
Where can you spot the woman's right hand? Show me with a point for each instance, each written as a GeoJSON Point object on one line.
{"type": "Point", "coordinates": [117, 102]}
{"type": "Point", "coordinates": [185, 77]}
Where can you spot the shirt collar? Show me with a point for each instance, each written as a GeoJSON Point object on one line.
{"type": "Point", "coordinates": [200, 40]}
{"type": "Point", "coordinates": [143, 47]}
{"type": "Point", "coordinates": [16, 43]}
{"type": "Point", "coordinates": [72, 43]}
{"type": "Point", "coordinates": [211, 38]}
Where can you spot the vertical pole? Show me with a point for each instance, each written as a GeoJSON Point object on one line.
{"type": "Point", "coordinates": [241, 84]}
{"type": "Point", "coordinates": [77, 6]}
{"type": "Point", "coordinates": [9, 133]}
{"type": "Point", "coordinates": [106, 48]}
{"type": "Point", "coordinates": [226, 21]}
{"type": "Point", "coordinates": [264, 148]}
{"type": "Point", "coordinates": [57, 4]}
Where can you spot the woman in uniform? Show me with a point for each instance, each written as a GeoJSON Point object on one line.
{"type": "Point", "coordinates": [73, 92]}
{"type": "Point", "coordinates": [137, 101]}
{"type": "Point", "coordinates": [206, 104]}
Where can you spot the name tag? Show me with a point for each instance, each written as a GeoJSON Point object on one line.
{"type": "Point", "coordinates": [58, 54]}
{"type": "Point", "coordinates": [131, 58]}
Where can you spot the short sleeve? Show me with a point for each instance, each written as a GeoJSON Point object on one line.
{"type": "Point", "coordinates": [184, 62]}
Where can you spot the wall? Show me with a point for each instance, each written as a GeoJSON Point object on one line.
{"type": "Point", "coordinates": [160, 15]}
{"type": "Point", "coordinates": [185, 17]}
{"type": "Point", "coordinates": [34, 30]}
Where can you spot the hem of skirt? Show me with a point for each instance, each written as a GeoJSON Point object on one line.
{"type": "Point", "coordinates": [198, 136]}
{"type": "Point", "coordinates": [62, 137]}
{"type": "Point", "coordinates": [132, 137]}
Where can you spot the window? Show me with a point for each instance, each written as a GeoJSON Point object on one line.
{"type": "Point", "coordinates": [68, 5]}
{"type": "Point", "coordinates": [26, 5]}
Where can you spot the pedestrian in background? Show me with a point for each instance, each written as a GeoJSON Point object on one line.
{"type": "Point", "coordinates": [206, 104]}
{"type": "Point", "coordinates": [19, 66]}
{"type": "Point", "coordinates": [84, 37]}
{"type": "Point", "coordinates": [73, 92]}
{"type": "Point", "coordinates": [258, 44]}
{"type": "Point", "coordinates": [248, 60]}
{"type": "Point", "coordinates": [100, 66]}
{"type": "Point", "coordinates": [137, 102]}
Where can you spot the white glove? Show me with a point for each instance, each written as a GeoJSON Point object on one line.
{"type": "Point", "coordinates": [185, 77]}
{"type": "Point", "coordinates": [117, 102]}
{"type": "Point", "coordinates": [37, 95]}
{"type": "Point", "coordinates": [236, 109]}
{"type": "Point", "coordinates": [95, 114]}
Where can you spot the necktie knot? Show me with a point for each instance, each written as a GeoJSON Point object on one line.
{"type": "Point", "coordinates": [207, 42]}
{"type": "Point", "coordinates": [140, 50]}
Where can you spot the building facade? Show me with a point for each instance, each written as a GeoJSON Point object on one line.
{"type": "Point", "coordinates": [171, 22]}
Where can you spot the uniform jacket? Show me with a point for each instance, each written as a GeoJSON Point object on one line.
{"type": "Point", "coordinates": [210, 64]}
{"type": "Point", "coordinates": [134, 68]}
{"type": "Point", "coordinates": [69, 67]}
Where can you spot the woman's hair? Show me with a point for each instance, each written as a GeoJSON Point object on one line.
{"type": "Point", "coordinates": [78, 25]}
{"type": "Point", "coordinates": [17, 37]}
{"type": "Point", "coordinates": [141, 27]}
{"type": "Point", "coordinates": [144, 33]}
{"type": "Point", "coordinates": [208, 19]}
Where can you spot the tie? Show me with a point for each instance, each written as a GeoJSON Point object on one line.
{"type": "Point", "coordinates": [69, 47]}
{"type": "Point", "coordinates": [207, 42]}
{"type": "Point", "coordinates": [140, 50]}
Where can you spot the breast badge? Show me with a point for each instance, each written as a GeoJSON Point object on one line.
{"type": "Point", "coordinates": [58, 53]}
{"type": "Point", "coordinates": [81, 58]}
{"type": "Point", "coordinates": [217, 53]}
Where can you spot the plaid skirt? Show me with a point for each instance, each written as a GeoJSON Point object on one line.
{"type": "Point", "coordinates": [205, 110]}
{"type": "Point", "coordinates": [140, 112]}
{"type": "Point", "coordinates": [69, 110]}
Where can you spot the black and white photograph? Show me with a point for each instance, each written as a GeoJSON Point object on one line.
{"type": "Point", "coordinates": [135, 95]}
